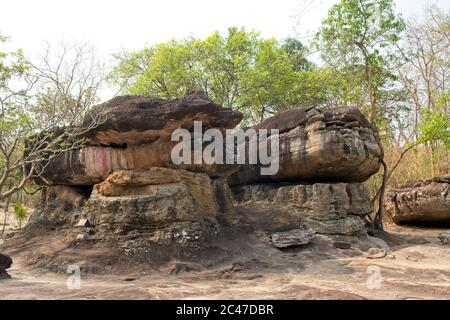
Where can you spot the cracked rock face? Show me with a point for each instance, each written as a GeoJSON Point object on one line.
{"type": "Point", "coordinates": [327, 208]}
{"type": "Point", "coordinates": [420, 201]}
{"type": "Point", "coordinates": [319, 145]}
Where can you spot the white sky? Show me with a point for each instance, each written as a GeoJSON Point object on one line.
{"type": "Point", "coordinates": [112, 25]}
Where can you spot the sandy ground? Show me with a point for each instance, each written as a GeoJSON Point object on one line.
{"type": "Point", "coordinates": [417, 267]}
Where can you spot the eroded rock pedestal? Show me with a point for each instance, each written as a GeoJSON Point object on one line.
{"type": "Point", "coordinates": [421, 201]}
{"type": "Point", "coordinates": [123, 187]}
{"type": "Point", "coordinates": [123, 180]}
{"type": "Point", "coordinates": [324, 157]}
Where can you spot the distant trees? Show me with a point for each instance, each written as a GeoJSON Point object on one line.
{"type": "Point", "coordinates": [425, 75]}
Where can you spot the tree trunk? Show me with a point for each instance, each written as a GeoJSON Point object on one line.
{"type": "Point", "coordinates": [378, 220]}
{"type": "Point", "coordinates": [433, 173]}
{"type": "Point", "coordinates": [6, 213]}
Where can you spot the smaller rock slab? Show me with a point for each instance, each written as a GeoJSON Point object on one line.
{"type": "Point", "coordinates": [295, 237]}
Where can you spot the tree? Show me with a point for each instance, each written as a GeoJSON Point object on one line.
{"type": "Point", "coordinates": [297, 51]}
{"type": "Point", "coordinates": [20, 212]}
{"type": "Point", "coordinates": [362, 33]}
{"type": "Point", "coordinates": [241, 70]}
{"type": "Point", "coordinates": [33, 129]}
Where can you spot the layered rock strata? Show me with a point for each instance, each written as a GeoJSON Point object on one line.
{"type": "Point", "coordinates": [420, 201]}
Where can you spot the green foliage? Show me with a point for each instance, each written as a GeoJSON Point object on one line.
{"type": "Point", "coordinates": [297, 52]}
{"type": "Point", "coordinates": [20, 212]}
{"type": "Point", "coordinates": [241, 70]}
{"type": "Point", "coordinates": [435, 127]}
{"type": "Point", "coordinates": [359, 36]}
{"type": "Point", "coordinates": [355, 28]}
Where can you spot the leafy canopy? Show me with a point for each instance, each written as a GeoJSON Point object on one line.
{"type": "Point", "coordinates": [362, 33]}
{"type": "Point", "coordinates": [241, 70]}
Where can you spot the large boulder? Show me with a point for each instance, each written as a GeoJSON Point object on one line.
{"type": "Point", "coordinates": [137, 136]}
{"type": "Point", "coordinates": [319, 145]}
{"type": "Point", "coordinates": [327, 208]}
{"type": "Point", "coordinates": [420, 201]}
{"type": "Point", "coordinates": [5, 263]}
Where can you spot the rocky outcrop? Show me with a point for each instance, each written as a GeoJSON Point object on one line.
{"type": "Point", "coordinates": [327, 208]}
{"type": "Point", "coordinates": [138, 200]}
{"type": "Point", "coordinates": [324, 155]}
{"type": "Point", "coordinates": [420, 201]}
{"type": "Point", "coordinates": [123, 187]}
{"type": "Point", "coordinates": [5, 263]}
{"type": "Point", "coordinates": [319, 145]}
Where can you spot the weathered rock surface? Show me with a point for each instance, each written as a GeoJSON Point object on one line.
{"type": "Point", "coordinates": [124, 185]}
{"type": "Point", "coordinates": [155, 198]}
{"type": "Point", "coordinates": [137, 136]}
{"type": "Point", "coordinates": [152, 198]}
{"type": "Point", "coordinates": [292, 238]}
{"type": "Point", "coordinates": [420, 201]}
{"type": "Point", "coordinates": [327, 208]}
{"type": "Point", "coordinates": [319, 145]}
{"type": "Point", "coordinates": [140, 200]}
{"type": "Point", "coordinates": [134, 120]}
{"type": "Point", "coordinates": [5, 263]}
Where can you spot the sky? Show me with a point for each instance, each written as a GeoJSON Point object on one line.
{"type": "Point", "coordinates": [113, 25]}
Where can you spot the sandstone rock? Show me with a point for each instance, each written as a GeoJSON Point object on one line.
{"type": "Point", "coordinates": [292, 238]}
{"type": "Point", "coordinates": [420, 201]}
{"type": "Point", "coordinates": [152, 198]}
{"type": "Point", "coordinates": [136, 120]}
{"type": "Point", "coordinates": [317, 145]}
{"type": "Point", "coordinates": [137, 136]}
{"type": "Point", "coordinates": [5, 263]}
{"type": "Point", "coordinates": [375, 253]}
{"type": "Point", "coordinates": [92, 164]}
{"type": "Point", "coordinates": [327, 208]}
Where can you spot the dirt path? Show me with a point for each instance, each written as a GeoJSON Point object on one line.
{"type": "Point", "coordinates": [417, 268]}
